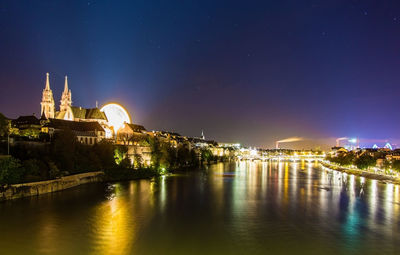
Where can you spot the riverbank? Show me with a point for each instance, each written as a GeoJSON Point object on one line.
{"type": "Point", "coordinates": [363, 173]}
{"type": "Point", "coordinates": [14, 191]}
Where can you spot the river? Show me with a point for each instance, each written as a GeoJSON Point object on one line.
{"type": "Point", "coordinates": [229, 208]}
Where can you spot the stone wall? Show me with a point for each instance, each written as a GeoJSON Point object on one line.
{"type": "Point", "coordinates": [144, 151]}
{"type": "Point", "coordinates": [37, 188]}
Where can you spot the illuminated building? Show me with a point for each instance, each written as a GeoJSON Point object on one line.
{"type": "Point", "coordinates": [85, 132]}
{"type": "Point", "coordinates": [66, 98]}
{"type": "Point", "coordinates": [111, 117]}
{"type": "Point", "coordinates": [129, 132]}
{"type": "Point", "coordinates": [47, 106]}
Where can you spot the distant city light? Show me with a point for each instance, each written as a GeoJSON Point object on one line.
{"type": "Point", "coordinates": [353, 140]}
{"type": "Point", "coordinates": [388, 146]}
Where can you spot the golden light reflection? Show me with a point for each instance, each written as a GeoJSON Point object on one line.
{"type": "Point", "coordinates": [114, 224]}
{"type": "Point", "coordinates": [264, 178]}
{"type": "Point", "coordinates": [396, 200]}
{"type": "Point", "coordinates": [303, 163]}
{"type": "Point", "coordinates": [389, 202]}
{"type": "Point", "coordinates": [373, 198]}
{"type": "Point", "coordinates": [286, 183]}
{"type": "Point", "coordinates": [218, 185]}
{"type": "Point", "coordinates": [293, 186]}
{"type": "Point", "coordinates": [309, 184]}
{"type": "Point", "coordinates": [163, 193]}
{"type": "Point", "coordinates": [48, 232]}
{"type": "Point", "coordinates": [327, 196]}
{"type": "Point", "coordinates": [113, 232]}
{"type": "Point", "coordinates": [352, 195]}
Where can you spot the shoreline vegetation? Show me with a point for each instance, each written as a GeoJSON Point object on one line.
{"type": "Point", "coordinates": [362, 173]}
{"type": "Point", "coordinates": [375, 164]}
{"type": "Point", "coordinates": [64, 156]}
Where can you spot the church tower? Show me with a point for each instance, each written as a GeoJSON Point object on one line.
{"type": "Point", "coordinates": [47, 105]}
{"type": "Point", "coordinates": [66, 98]}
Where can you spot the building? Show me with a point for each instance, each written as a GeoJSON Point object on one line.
{"type": "Point", "coordinates": [26, 122]}
{"type": "Point", "coordinates": [130, 134]}
{"type": "Point", "coordinates": [47, 106]}
{"type": "Point", "coordinates": [67, 111]}
{"type": "Point", "coordinates": [29, 126]}
{"type": "Point", "coordinates": [86, 132]}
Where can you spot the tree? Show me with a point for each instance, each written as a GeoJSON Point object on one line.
{"type": "Point", "coordinates": [364, 161]}
{"type": "Point", "coordinates": [11, 171]}
{"type": "Point", "coordinates": [125, 163]}
{"type": "Point", "coordinates": [167, 156]}
{"type": "Point", "coordinates": [30, 132]}
{"type": "Point", "coordinates": [396, 165]}
{"type": "Point", "coordinates": [32, 169]}
{"type": "Point", "coordinates": [184, 156]}
{"type": "Point", "coordinates": [386, 164]}
{"type": "Point", "coordinates": [156, 153]}
{"type": "Point", "coordinates": [138, 160]}
{"type": "Point", "coordinates": [344, 159]}
{"type": "Point", "coordinates": [86, 159]}
{"type": "Point", "coordinates": [63, 149]}
{"type": "Point", "coordinates": [194, 158]}
{"type": "Point", "coordinates": [105, 153]}
{"type": "Point", "coordinates": [54, 172]}
{"type": "Point", "coordinates": [120, 154]}
{"type": "Point", "coordinates": [206, 155]}
{"type": "Point", "coordinates": [4, 126]}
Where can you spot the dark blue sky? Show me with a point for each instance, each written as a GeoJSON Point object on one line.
{"type": "Point", "coordinates": [245, 71]}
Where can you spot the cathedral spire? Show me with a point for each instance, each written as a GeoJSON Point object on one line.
{"type": "Point", "coordinates": [47, 82]}
{"type": "Point", "coordinates": [66, 97]}
{"type": "Point", "coordinates": [47, 106]}
{"type": "Point", "coordinates": [66, 84]}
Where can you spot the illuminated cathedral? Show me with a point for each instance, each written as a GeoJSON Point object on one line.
{"type": "Point", "coordinates": [111, 117]}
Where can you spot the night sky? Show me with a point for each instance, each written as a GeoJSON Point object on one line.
{"type": "Point", "coordinates": [244, 71]}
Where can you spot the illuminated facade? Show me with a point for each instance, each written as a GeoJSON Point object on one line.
{"type": "Point", "coordinates": [66, 97]}
{"type": "Point", "coordinates": [47, 106]}
{"type": "Point", "coordinates": [111, 116]}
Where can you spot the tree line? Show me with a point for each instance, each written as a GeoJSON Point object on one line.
{"type": "Point", "coordinates": [364, 161]}
{"type": "Point", "coordinates": [65, 155]}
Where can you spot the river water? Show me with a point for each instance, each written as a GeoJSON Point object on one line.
{"type": "Point", "coordinates": [229, 208]}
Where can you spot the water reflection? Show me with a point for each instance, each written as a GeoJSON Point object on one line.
{"type": "Point", "coordinates": [305, 190]}
{"type": "Point", "coordinates": [234, 208]}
